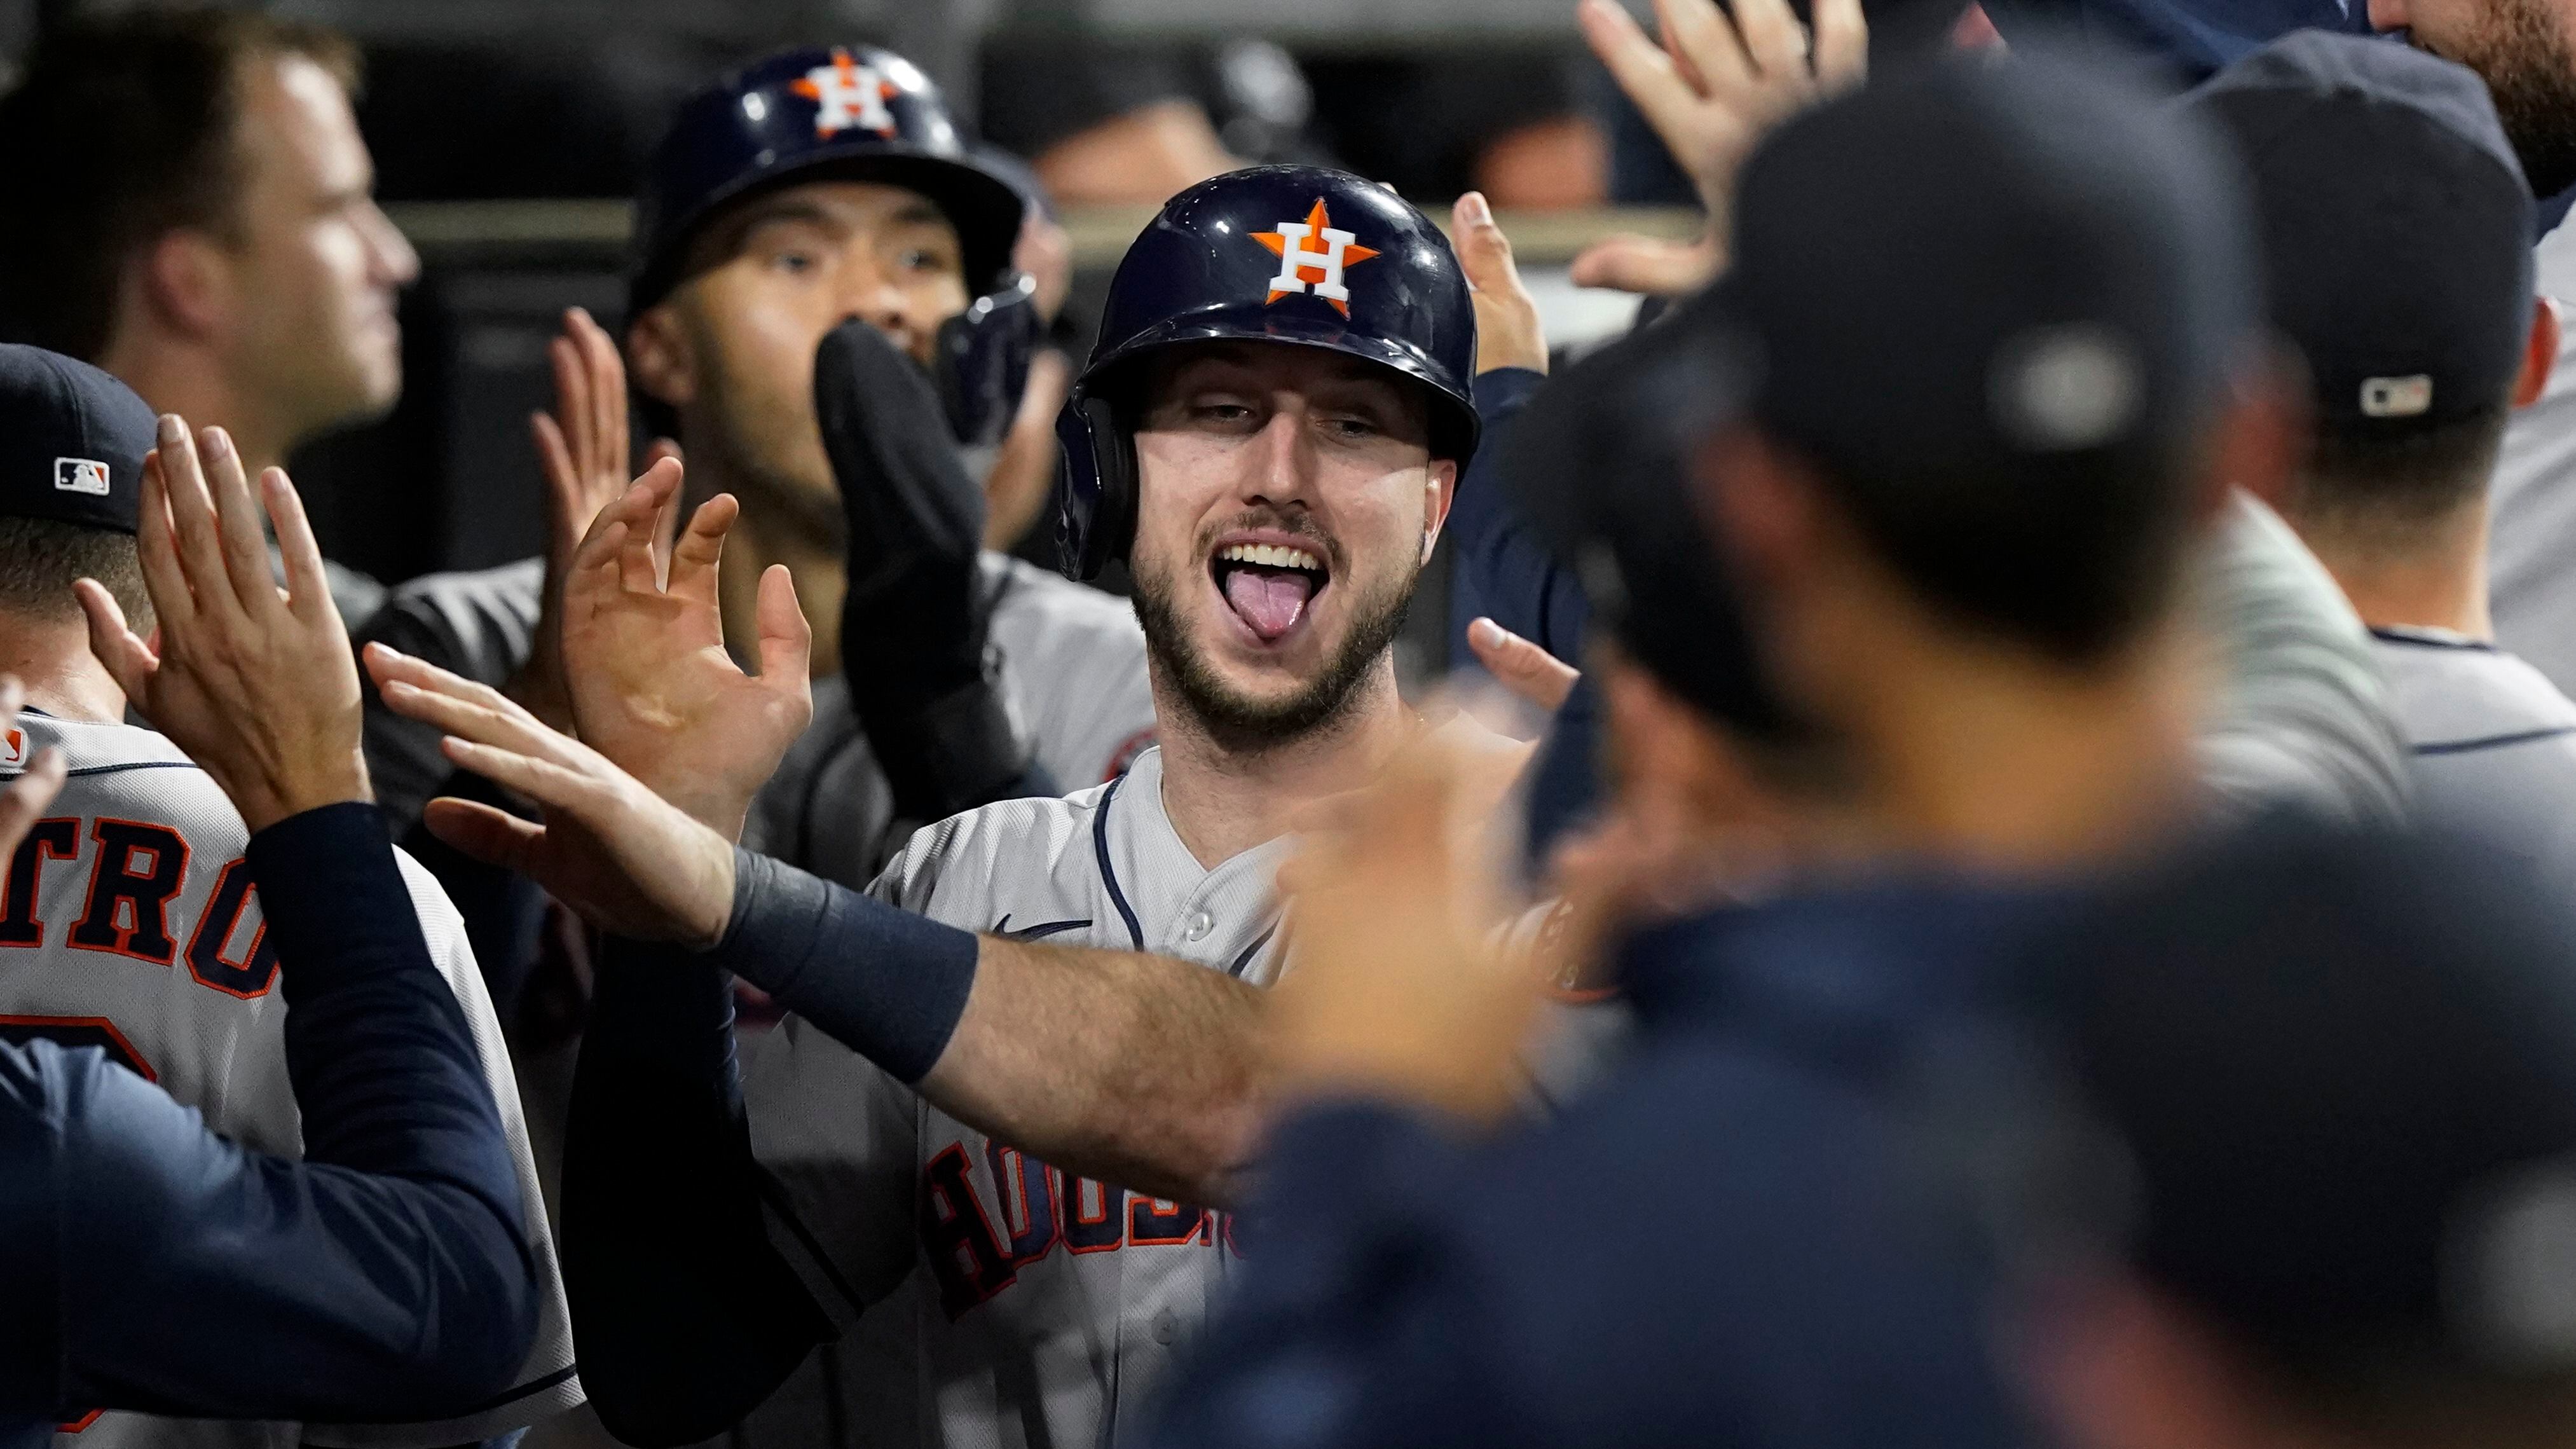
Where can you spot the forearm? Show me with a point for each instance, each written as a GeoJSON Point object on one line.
{"type": "Point", "coordinates": [1140, 1070]}
{"type": "Point", "coordinates": [1127, 1068]}
{"type": "Point", "coordinates": [684, 1316]}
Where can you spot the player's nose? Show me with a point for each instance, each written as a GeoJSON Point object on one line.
{"type": "Point", "coordinates": [2389, 15]}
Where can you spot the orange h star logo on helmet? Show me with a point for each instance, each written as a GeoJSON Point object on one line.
{"type": "Point", "coordinates": [851, 95]}
{"type": "Point", "coordinates": [1303, 267]}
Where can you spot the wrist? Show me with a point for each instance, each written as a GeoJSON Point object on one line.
{"type": "Point", "coordinates": [312, 785]}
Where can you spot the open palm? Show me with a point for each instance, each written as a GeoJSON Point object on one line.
{"type": "Point", "coordinates": [652, 686]}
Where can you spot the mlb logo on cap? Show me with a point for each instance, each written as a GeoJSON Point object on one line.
{"type": "Point", "coordinates": [80, 475]}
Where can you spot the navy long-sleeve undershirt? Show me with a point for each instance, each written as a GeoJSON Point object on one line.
{"type": "Point", "coordinates": [148, 1264]}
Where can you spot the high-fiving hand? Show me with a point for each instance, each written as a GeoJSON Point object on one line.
{"type": "Point", "coordinates": [254, 682]}
{"type": "Point", "coordinates": [623, 857]}
{"type": "Point", "coordinates": [651, 685]}
{"type": "Point", "coordinates": [582, 450]}
{"type": "Point", "coordinates": [1711, 90]}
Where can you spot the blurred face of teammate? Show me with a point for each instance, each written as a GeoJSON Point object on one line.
{"type": "Point", "coordinates": [2526, 51]}
{"type": "Point", "coordinates": [732, 348]}
{"type": "Point", "coordinates": [309, 326]}
{"type": "Point", "coordinates": [1287, 499]}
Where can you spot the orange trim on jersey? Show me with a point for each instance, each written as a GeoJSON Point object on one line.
{"type": "Point", "coordinates": [83, 1422]}
{"type": "Point", "coordinates": [101, 887]}
{"type": "Point", "coordinates": [235, 880]}
{"type": "Point", "coordinates": [56, 837]}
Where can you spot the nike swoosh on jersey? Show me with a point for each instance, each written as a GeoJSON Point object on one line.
{"type": "Point", "coordinates": [1002, 927]}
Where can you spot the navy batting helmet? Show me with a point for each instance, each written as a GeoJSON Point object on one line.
{"type": "Point", "coordinates": [1292, 254]}
{"type": "Point", "coordinates": [863, 114]}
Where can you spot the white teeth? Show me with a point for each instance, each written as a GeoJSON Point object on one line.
{"type": "Point", "coordinates": [1273, 556]}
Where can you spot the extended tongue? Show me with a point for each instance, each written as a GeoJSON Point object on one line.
{"type": "Point", "coordinates": [1271, 602]}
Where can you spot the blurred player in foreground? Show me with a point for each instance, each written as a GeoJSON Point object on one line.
{"type": "Point", "coordinates": [130, 920]}
{"type": "Point", "coordinates": [1966, 581]}
{"type": "Point", "coordinates": [2413, 391]}
{"type": "Point", "coordinates": [147, 1265]}
{"type": "Point", "coordinates": [1274, 461]}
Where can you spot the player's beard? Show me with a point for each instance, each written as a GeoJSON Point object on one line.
{"type": "Point", "coordinates": [2521, 49]}
{"type": "Point", "coordinates": [1237, 723]}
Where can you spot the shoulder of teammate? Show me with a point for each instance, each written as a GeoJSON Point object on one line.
{"type": "Point", "coordinates": [1073, 669]}
{"type": "Point", "coordinates": [947, 871]}
{"type": "Point", "coordinates": [479, 623]}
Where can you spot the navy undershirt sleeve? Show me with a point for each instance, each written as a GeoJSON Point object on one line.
{"type": "Point", "coordinates": [387, 1276]}
{"type": "Point", "coordinates": [882, 981]}
{"type": "Point", "coordinates": [684, 1316]}
{"type": "Point", "coordinates": [1502, 569]}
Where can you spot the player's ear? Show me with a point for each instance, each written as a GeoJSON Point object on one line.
{"type": "Point", "coordinates": [2539, 354]}
{"type": "Point", "coordinates": [1764, 508]}
{"type": "Point", "coordinates": [1439, 490]}
{"type": "Point", "coordinates": [663, 361]}
{"type": "Point", "coordinates": [2262, 435]}
{"type": "Point", "coordinates": [184, 281]}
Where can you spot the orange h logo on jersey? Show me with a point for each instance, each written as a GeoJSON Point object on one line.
{"type": "Point", "coordinates": [13, 747]}
{"type": "Point", "coordinates": [852, 97]}
{"type": "Point", "coordinates": [1303, 267]}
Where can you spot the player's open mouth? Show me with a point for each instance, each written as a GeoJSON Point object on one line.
{"type": "Point", "coordinates": [1269, 586]}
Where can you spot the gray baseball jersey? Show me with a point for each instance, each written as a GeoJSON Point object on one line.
{"type": "Point", "coordinates": [991, 1299]}
{"type": "Point", "coordinates": [2494, 742]}
{"type": "Point", "coordinates": [2302, 715]}
{"type": "Point", "coordinates": [2533, 548]}
{"type": "Point", "coordinates": [128, 921]}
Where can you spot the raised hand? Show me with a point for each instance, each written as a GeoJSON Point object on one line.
{"type": "Point", "coordinates": [651, 686]}
{"type": "Point", "coordinates": [254, 682]}
{"type": "Point", "coordinates": [1508, 331]}
{"type": "Point", "coordinates": [1397, 982]}
{"type": "Point", "coordinates": [624, 858]}
{"type": "Point", "coordinates": [35, 787]}
{"type": "Point", "coordinates": [1711, 89]}
{"type": "Point", "coordinates": [582, 450]}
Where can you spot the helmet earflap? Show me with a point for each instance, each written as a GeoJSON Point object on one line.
{"type": "Point", "coordinates": [984, 355]}
{"type": "Point", "coordinates": [1096, 497]}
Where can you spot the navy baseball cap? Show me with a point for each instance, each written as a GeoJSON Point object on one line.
{"type": "Point", "coordinates": [2395, 224]}
{"type": "Point", "coordinates": [2343, 1069]}
{"type": "Point", "coordinates": [1600, 461]}
{"type": "Point", "coordinates": [72, 441]}
{"type": "Point", "coordinates": [1998, 305]}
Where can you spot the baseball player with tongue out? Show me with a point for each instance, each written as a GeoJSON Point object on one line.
{"type": "Point", "coordinates": [1021, 1069]}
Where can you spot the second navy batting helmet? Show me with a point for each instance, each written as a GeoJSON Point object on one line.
{"type": "Point", "coordinates": [1291, 254]}
{"type": "Point", "coordinates": [861, 114]}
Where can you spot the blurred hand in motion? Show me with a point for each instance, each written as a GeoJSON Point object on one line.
{"type": "Point", "coordinates": [1508, 332]}
{"type": "Point", "coordinates": [1398, 984]}
{"type": "Point", "coordinates": [1711, 89]}
{"type": "Point", "coordinates": [624, 858]}
{"type": "Point", "coordinates": [651, 685]}
{"type": "Point", "coordinates": [1533, 675]}
{"type": "Point", "coordinates": [582, 450]}
{"type": "Point", "coordinates": [36, 786]}
{"type": "Point", "coordinates": [253, 681]}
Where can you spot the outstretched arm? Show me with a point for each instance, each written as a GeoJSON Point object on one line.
{"type": "Point", "coordinates": [388, 1273]}
{"type": "Point", "coordinates": [1130, 1068]}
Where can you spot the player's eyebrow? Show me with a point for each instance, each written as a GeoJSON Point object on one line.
{"type": "Point", "coordinates": [916, 212]}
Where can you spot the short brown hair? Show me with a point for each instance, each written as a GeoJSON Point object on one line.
{"type": "Point", "coordinates": [122, 132]}
{"type": "Point", "coordinates": [40, 559]}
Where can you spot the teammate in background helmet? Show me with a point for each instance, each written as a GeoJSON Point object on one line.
{"type": "Point", "coordinates": [815, 188]}
{"type": "Point", "coordinates": [1268, 434]}
{"type": "Point", "coordinates": [811, 190]}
